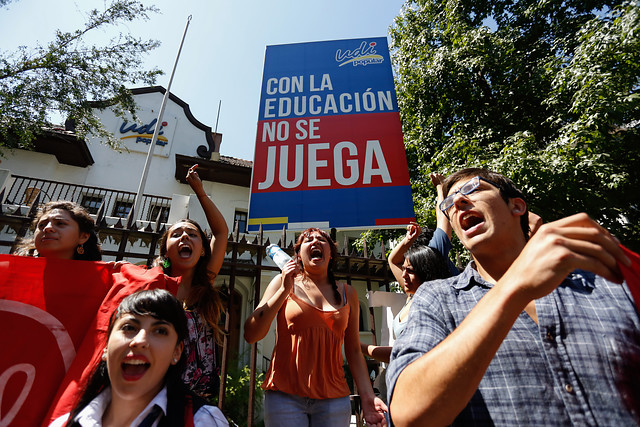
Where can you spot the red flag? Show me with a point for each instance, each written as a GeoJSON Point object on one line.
{"type": "Point", "coordinates": [53, 319]}
{"type": "Point", "coordinates": [632, 274]}
{"type": "Point", "coordinates": [46, 309]}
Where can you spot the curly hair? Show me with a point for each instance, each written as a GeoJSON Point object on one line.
{"type": "Point", "coordinates": [86, 224]}
{"type": "Point", "coordinates": [332, 261]}
{"type": "Point", "coordinates": [204, 297]}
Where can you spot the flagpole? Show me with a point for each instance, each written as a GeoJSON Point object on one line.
{"type": "Point", "coordinates": [145, 171]}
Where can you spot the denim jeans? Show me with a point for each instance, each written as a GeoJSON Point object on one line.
{"type": "Point", "coordinates": [286, 410]}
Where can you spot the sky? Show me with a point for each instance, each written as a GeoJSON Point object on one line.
{"type": "Point", "coordinates": [223, 54]}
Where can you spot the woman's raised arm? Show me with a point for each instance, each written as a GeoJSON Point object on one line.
{"type": "Point", "coordinates": [217, 224]}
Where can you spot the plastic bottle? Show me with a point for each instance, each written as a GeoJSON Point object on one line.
{"type": "Point", "coordinates": [278, 255]}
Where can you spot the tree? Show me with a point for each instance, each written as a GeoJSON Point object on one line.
{"type": "Point", "coordinates": [69, 78]}
{"type": "Point", "coordinates": [545, 92]}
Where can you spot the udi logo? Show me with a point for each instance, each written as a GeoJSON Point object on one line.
{"type": "Point", "coordinates": [364, 54]}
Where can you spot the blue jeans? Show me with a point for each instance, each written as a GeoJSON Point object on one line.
{"type": "Point", "coordinates": [286, 410]}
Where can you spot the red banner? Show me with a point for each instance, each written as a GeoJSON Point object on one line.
{"type": "Point", "coordinates": [631, 274]}
{"type": "Point", "coordinates": [54, 316]}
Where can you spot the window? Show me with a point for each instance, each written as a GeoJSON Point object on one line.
{"type": "Point", "coordinates": [157, 209]}
{"type": "Point", "coordinates": [91, 203]}
{"type": "Point", "coordinates": [241, 218]}
{"type": "Point", "coordinates": [121, 209]}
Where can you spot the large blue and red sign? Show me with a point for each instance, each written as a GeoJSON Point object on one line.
{"type": "Point", "coordinates": [329, 149]}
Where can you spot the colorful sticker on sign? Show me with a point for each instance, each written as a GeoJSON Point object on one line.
{"type": "Point", "coordinates": [329, 149]}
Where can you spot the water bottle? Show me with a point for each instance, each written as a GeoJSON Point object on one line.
{"type": "Point", "coordinates": [278, 255]}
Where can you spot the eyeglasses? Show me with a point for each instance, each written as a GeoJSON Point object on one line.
{"type": "Point", "coordinates": [468, 188]}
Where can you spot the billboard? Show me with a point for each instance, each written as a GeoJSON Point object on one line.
{"type": "Point", "coordinates": [329, 148]}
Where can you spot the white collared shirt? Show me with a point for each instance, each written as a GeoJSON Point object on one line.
{"type": "Point", "coordinates": [91, 415]}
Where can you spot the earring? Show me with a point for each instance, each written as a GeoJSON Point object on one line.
{"type": "Point", "coordinates": [80, 249]}
{"type": "Point", "coordinates": [166, 263]}
{"type": "Point", "coordinates": [104, 354]}
{"type": "Point", "coordinates": [175, 360]}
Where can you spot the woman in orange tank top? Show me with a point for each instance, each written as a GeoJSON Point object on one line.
{"type": "Point", "coordinates": [305, 384]}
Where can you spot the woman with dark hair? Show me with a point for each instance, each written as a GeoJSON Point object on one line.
{"type": "Point", "coordinates": [305, 384]}
{"type": "Point", "coordinates": [419, 257]}
{"type": "Point", "coordinates": [138, 380]}
{"type": "Point", "coordinates": [187, 252]}
{"type": "Point", "coordinates": [63, 230]}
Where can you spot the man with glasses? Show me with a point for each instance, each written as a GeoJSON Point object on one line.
{"type": "Point", "coordinates": [535, 331]}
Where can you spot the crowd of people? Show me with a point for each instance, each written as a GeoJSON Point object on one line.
{"type": "Point", "coordinates": [540, 328]}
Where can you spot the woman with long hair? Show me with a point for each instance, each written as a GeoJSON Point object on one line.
{"type": "Point", "coordinates": [63, 230]}
{"type": "Point", "coordinates": [138, 380]}
{"type": "Point", "coordinates": [419, 257]}
{"type": "Point", "coordinates": [305, 384]}
{"type": "Point", "coordinates": [187, 252]}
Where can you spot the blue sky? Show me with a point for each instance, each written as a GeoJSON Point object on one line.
{"type": "Point", "coordinates": [223, 54]}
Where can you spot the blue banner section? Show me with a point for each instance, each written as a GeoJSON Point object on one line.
{"type": "Point", "coordinates": [344, 208]}
{"type": "Point", "coordinates": [327, 78]}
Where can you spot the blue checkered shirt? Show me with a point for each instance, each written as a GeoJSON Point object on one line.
{"type": "Point", "coordinates": [573, 368]}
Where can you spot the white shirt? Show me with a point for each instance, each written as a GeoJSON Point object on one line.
{"type": "Point", "coordinates": [91, 415]}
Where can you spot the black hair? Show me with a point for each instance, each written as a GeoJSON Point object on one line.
{"type": "Point", "coordinates": [423, 238]}
{"type": "Point", "coordinates": [159, 304]}
{"type": "Point", "coordinates": [203, 296]}
{"type": "Point", "coordinates": [427, 263]}
{"type": "Point", "coordinates": [508, 189]}
{"type": "Point", "coordinates": [86, 224]}
{"type": "Point", "coordinates": [332, 261]}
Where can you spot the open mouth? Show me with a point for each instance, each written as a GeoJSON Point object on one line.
{"type": "Point", "coordinates": [316, 254]}
{"type": "Point", "coordinates": [185, 252]}
{"type": "Point", "coordinates": [470, 220]}
{"type": "Point", "coordinates": [134, 369]}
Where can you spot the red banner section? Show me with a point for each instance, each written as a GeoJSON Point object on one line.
{"type": "Point", "coordinates": [631, 274]}
{"type": "Point", "coordinates": [54, 315]}
{"type": "Point", "coordinates": [330, 153]}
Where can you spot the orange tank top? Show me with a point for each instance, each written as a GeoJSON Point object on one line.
{"type": "Point", "coordinates": [307, 358]}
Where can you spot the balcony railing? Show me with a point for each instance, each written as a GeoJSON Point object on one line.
{"type": "Point", "coordinates": [24, 190]}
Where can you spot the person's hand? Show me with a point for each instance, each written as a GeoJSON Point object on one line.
{"type": "Point", "coordinates": [117, 265]}
{"type": "Point", "coordinates": [535, 221]}
{"type": "Point", "coordinates": [193, 179]}
{"type": "Point", "coordinates": [413, 231]}
{"type": "Point", "coordinates": [436, 179]}
{"type": "Point", "coordinates": [374, 414]}
{"type": "Point", "coordinates": [558, 248]}
{"type": "Point", "coordinates": [442, 221]}
{"type": "Point", "coordinates": [289, 272]}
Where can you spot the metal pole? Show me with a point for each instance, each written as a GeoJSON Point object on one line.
{"type": "Point", "coordinates": [145, 171]}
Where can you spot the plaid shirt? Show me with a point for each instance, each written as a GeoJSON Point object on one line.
{"type": "Point", "coordinates": [568, 369]}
